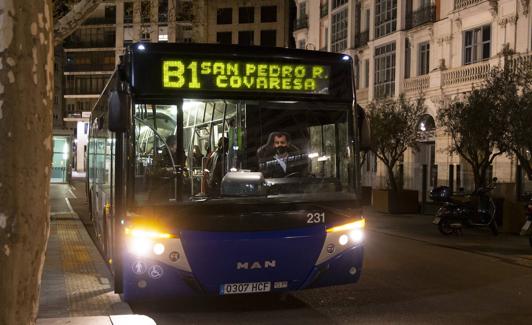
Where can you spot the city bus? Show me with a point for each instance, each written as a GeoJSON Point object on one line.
{"type": "Point", "coordinates": [219, 170]}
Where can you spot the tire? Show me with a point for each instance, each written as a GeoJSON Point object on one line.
{"type": "Point", "coordinates": [494, 228]}
{"type": "Point", "coordinates": [445, 227]}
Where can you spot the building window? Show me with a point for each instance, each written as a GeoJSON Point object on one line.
{"type": "Point", "coordinates": [357, 73]}
{"type": "Point", "coordinates": [367, 20]}
{"type": "Point", "coordinates": [424, 55]}
{"type": "Point", "coordinates": [385, 17]}
{"type": "Point", "coordinates": [338, 3]}
{"type": "Point", "coordinates": [407, 58]}
{"type": "Point", "coordinates": [339, 31]}
{"type": "Point", "coordinates": [224, 37]}
{"type": "Point", "coordinates": [163, 11]}
{"type": "Point", "coordinates": [268, 38]}
{"type": "Point", "coordinates": [245, 37]}
{"type": "Point", "coordinates": [385, 71]}
{"type": "Point", "coordinates": [224, 16]}
{"type": "Point", "coordinates": [366, 73]}
{"type": "Point", "coordinates": [145, 11]}
{"type": "Point", "coordinates": [301, 44]}
{"type": "Point", "coordinates": [246, 15]}
{"type": "Point", "coordinates": [268, 14]}
{"type": "Point", "coordinates": [477, 44]}
{"type": "Point", "coordinates": [128, 13]}
{"type": "Point", "coordinates": [302, 9]}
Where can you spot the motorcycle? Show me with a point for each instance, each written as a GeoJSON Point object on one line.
{"type": "Point", "coordinates": [526, 230]}
{"type": "Point", "coordinates": [478, 211]}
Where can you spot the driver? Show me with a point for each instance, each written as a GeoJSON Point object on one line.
{"type": "Point", "coordinates": [279, 158]}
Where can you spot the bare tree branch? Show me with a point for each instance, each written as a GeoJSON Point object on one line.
{"type": "Point", "coordinates": [70, 22]}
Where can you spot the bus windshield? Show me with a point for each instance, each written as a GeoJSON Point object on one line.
{"type": "Point", "coordinates": [202, 150]}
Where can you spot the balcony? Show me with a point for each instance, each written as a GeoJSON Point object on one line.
{"type": "Point", "coordinates": [324, 9]}
{"type": "Point", "coordinates": [301, 23]}
{"type": "Point", "coordinates": [88, 67]}
{"type": "Point", "coordinates": [466, 74]}
{"type": "Point", "coordinates": [416, 84]}
{"type": "Point", "coordinates": [459, 4]}
{"type": "Point", "coordinates": [421, 16]}
{"type": "Point", "coordinates": [361, 39]}
{"type": "Point", "coordinates": [75, 44]}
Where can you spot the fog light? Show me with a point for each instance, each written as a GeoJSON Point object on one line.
{"type": "Point", "coordinates": [140, 246]}
{"type": "Point", "coordinates": [158, 249]}
{"type": "Point", "coordinates": [356, 235]}
{"type": "Point", "coordinates": [343, 240]}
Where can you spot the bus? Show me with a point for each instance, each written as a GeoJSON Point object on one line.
{"type": "Point", "coordinates": [219, 170]}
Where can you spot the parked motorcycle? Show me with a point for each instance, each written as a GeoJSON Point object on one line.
{"type": "Point", "coordinates": [477, 211]}
{"type": "Point", "coordinates": [526, 230]}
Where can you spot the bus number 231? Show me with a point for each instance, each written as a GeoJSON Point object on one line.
{"type": "Point", "coordinates": [316, 217]}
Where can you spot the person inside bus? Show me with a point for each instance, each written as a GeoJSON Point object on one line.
{"type": "Point", "coordinates": [279, 158]}
{"type": "Point", "coordinates": [215, 167]}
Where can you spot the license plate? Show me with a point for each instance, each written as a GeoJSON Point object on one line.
{"type": "Point", "coordinates": [436, 220]}
{"type": "Point", "coordinates": [238, 288]}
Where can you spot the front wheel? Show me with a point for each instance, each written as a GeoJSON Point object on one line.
{"type": "Point", "coordinates": [445, 227]}
{"type": "Point", "coordinates": [494, 228]}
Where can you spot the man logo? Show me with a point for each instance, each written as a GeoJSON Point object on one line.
{"type": "Point", "coordinates": [256, 265]}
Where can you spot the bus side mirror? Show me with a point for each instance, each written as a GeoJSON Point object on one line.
{"type": "Point", "coordinates": [118, 111]}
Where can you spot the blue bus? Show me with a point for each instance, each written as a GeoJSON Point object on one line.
{"type": "Point", "coordinates": [220, 170]}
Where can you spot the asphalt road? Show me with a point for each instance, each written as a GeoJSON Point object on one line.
{"type": "Point", "coordinates": [404, 281]}
{"type": "Point", "coordinates": [411, 275]}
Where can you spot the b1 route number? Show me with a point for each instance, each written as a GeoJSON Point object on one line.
{"type": "Point", "coordinates": [316, 217]}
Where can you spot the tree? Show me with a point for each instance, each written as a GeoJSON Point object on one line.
{"type": "Point", "coordinates": [518, 103]}
{"type": "Point", "coordinates": [393, 128]}
{"type": "Point", "coordinates": [478, 127]}
{"type": "Point", "coordinates": [26, 93]}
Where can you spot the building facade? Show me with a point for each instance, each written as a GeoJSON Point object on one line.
{"type": "Point", "coordinates": [92, 51]}
{"type": "Point", "coordinates": [441, 48]}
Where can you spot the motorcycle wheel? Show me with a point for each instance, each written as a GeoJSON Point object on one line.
{"type": "Point", "coordinates": [445, 227]}
{"type": "Point", "coordinates": [494, 228]}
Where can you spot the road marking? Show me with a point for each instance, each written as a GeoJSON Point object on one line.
{"type": "Point", "coordinates": [72, 193]}
{"type": "Point", "coordinates": [70, 207]}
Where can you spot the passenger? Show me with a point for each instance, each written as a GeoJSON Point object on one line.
{"type": "Point", "coordinates": [215, 166]}
{"type": "Point", "coordinates": [279, 158]}
{"type": "Point", "coordinates": [197, 156]}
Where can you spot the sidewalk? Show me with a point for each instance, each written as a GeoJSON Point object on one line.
{"type": "Point", "coordinates": [509, 248]}
{"type": "Point", "coordinates": [76, 285]}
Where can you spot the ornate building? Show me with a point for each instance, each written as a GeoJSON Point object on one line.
{"type": "Point", "coordinates": [440, 47]}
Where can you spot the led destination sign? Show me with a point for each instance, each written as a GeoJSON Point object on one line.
{"type": "Point", "coordinates": [190, 74]}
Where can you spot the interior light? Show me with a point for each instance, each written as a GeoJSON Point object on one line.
{"type": "Point", "coordinates": [313, 155]}
{"type": "Point", "coordinates": [359, 224]}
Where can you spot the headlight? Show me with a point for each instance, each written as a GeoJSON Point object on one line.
{"type": "Point", "coordinates": [352, 230]}
{"type": "Point", "coordinates": [141, 241]}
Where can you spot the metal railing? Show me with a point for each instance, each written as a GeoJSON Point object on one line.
{"type": "Point", "coordinates": [324, 9]}
{"type": "Point", "coordinates": [361, 39]}
{"type": "Point", "coordinates": [301, 23]}
{"type": "Point", "coordinates": [421, 16]}
{"type": "Point", "coordinates": [88, 67]}
{"type": "Point", "coordinates": [459, 4]}
{"type": "Point", "coordinates": [416, 84]}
